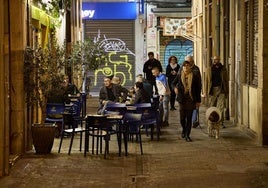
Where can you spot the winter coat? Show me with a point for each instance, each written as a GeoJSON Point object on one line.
{"type": "Point", "coordinates": [224, 81]}
{"type": "Point", "coordinates": [195, 89]}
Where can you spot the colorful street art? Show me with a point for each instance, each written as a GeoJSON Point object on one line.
{"type": "Point", "coordinates": [112, 68]}
{"type": "Point", "coordinates": [179, 48]}
{"type": "Point", "coordinates": [120, 62]}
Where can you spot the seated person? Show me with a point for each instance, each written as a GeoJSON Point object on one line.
{"type": "Point", "coordinates": [131, 94]}
{"type": "Point", "coordinates": [123, 90]}
{"type": "Point", "coordinates": [70, 89]}
{"type": "Point", "coordinates": [146, 85]}
{"type": "Point", "coordinates": [141, 96]}
{"type": "Point", "coordinates": [108, 93]}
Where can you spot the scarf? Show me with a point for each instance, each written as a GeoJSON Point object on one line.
{"type": "Point", "coordinates": [187, 78]}
{"type": "Point", "coordinates": [173, 66]}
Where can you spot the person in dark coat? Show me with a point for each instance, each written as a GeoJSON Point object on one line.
{"type": "Point", "coordinates": [146, 85]}
{"type": "Point", "coordinates": [70, 89]}
{"type": "Point", "coordinates": [147, 69]}
{"type": "Point", "coordinates": [216, 85]}
{"type": "Point", "coordinates": [188, 90]}
{"type": "Point", "coordinates": [141, 96]}
{"type": "Point", "coordinates": [195, 69]}
{"type": "Point", "coordinates": [123, 91]}
{"type": "Point", "coordinates": [108, 93]}
{"type": "Point", "coordinates": [172, 70]}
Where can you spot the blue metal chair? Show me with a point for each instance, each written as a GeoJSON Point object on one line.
{"type": "Point", "coordinates": [132, 121]}
{"type": "Point", "coordinates": [74, 121]}
{"type": "Point", "coordinates": [150, 118]}
{"type": "Point", "coordinates": [54, 112]}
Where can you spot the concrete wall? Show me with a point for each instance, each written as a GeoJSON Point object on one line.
{"type": "Point", "coordinates": [140, 45]}
{"type": "Point", "coordinates": [253, 109]}
{"type": "Point", "coordinates": [151, 33]}
{"type": "Point", "coordinates": [250, 101]}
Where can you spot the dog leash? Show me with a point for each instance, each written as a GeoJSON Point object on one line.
{"type": "Point", "coordinates": [198, 124]}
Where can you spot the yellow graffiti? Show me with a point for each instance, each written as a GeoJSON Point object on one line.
{"type": "Point", "coordinates": [111, 68]}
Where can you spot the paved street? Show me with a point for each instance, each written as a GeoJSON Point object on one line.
{"type": "Point", "coordinates": [232, 161]}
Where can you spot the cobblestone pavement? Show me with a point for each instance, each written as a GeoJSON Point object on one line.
{"type": "Point", "coordinates": [232, 161]}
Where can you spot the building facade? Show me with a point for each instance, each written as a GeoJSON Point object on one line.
{"type": "Point", "coordinates": [23, 23]}
{"type": "Point", "coordinates": [236, 31]}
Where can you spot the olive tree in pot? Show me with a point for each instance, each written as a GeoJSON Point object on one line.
{"type": "Point", "coordinates": [87, 56]}
{"type": "Point", "coordinates": [42, 76]}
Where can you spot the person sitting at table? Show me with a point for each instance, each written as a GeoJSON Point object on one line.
{"type": "Point", "coordinates": [123, 91]}
{"type": "Point", "coordinates": [141, 96]}
{"type": "Point", "coordinates": [146, 85]}
{"type": "Point", "coordinates": [108, 93]}
{"type": "Point", "coordinates": [70, 89]}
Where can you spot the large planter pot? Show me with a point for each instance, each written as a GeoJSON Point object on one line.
{"type": "Point", "coordinates": [43, 137]}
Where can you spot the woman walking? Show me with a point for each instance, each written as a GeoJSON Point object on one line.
{"type": "Point", "coordinates": [172, 70]}
{"type": "Point", "coordinates": [188, 90]}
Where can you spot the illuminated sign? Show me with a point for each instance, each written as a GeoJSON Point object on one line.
{"type": "Point", "coordinates": [109, 11]}
{"type": "Point", "coordinates": [141, 6]}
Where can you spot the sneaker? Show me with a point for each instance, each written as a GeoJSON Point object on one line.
{"type": "Point", "coordinates": [173, 108]}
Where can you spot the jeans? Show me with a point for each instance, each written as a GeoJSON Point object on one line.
{"type": "Point", "coordinates": [194, 116]}
{"type": "Point", "coordinates": [164, 108]}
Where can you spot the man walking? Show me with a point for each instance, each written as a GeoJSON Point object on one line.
{"type": "Point", "coordinates": [147, 69]}
{"type": "Point", "coordinates": [216, 84]}
{"type": "Point", "coordinates": [164, 95]}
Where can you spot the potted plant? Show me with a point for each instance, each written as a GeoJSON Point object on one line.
{"type": "Point", "coordinates": [86, 56]}
{"type": "Point", "coordinates": [42, 76]}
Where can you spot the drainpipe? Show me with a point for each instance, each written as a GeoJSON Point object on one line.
{"type": "Point", "coordinates": [217, 27]}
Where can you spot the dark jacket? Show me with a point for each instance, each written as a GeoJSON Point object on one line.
{"type": "Point", "coordinates": [196, 72]}
{"type": "Point", "coordinates": [147, 68]}
{"type": "Point", "coordinates": [195, 89]}
{"type": "Point", "coordinates": [141, 97]}
{"type": "Point", "coordinates": [71, 89]}
{"type": "Point", "coordinates": [224, 81]}
{"type": "Point", "coordinates": [103, 95]}
{"type": "Point", "coordinates": [148, 88]}
{"type": "Point", "coordinates": [123, 93]}
{"type": "Point", "coordinates": [170, 76]}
